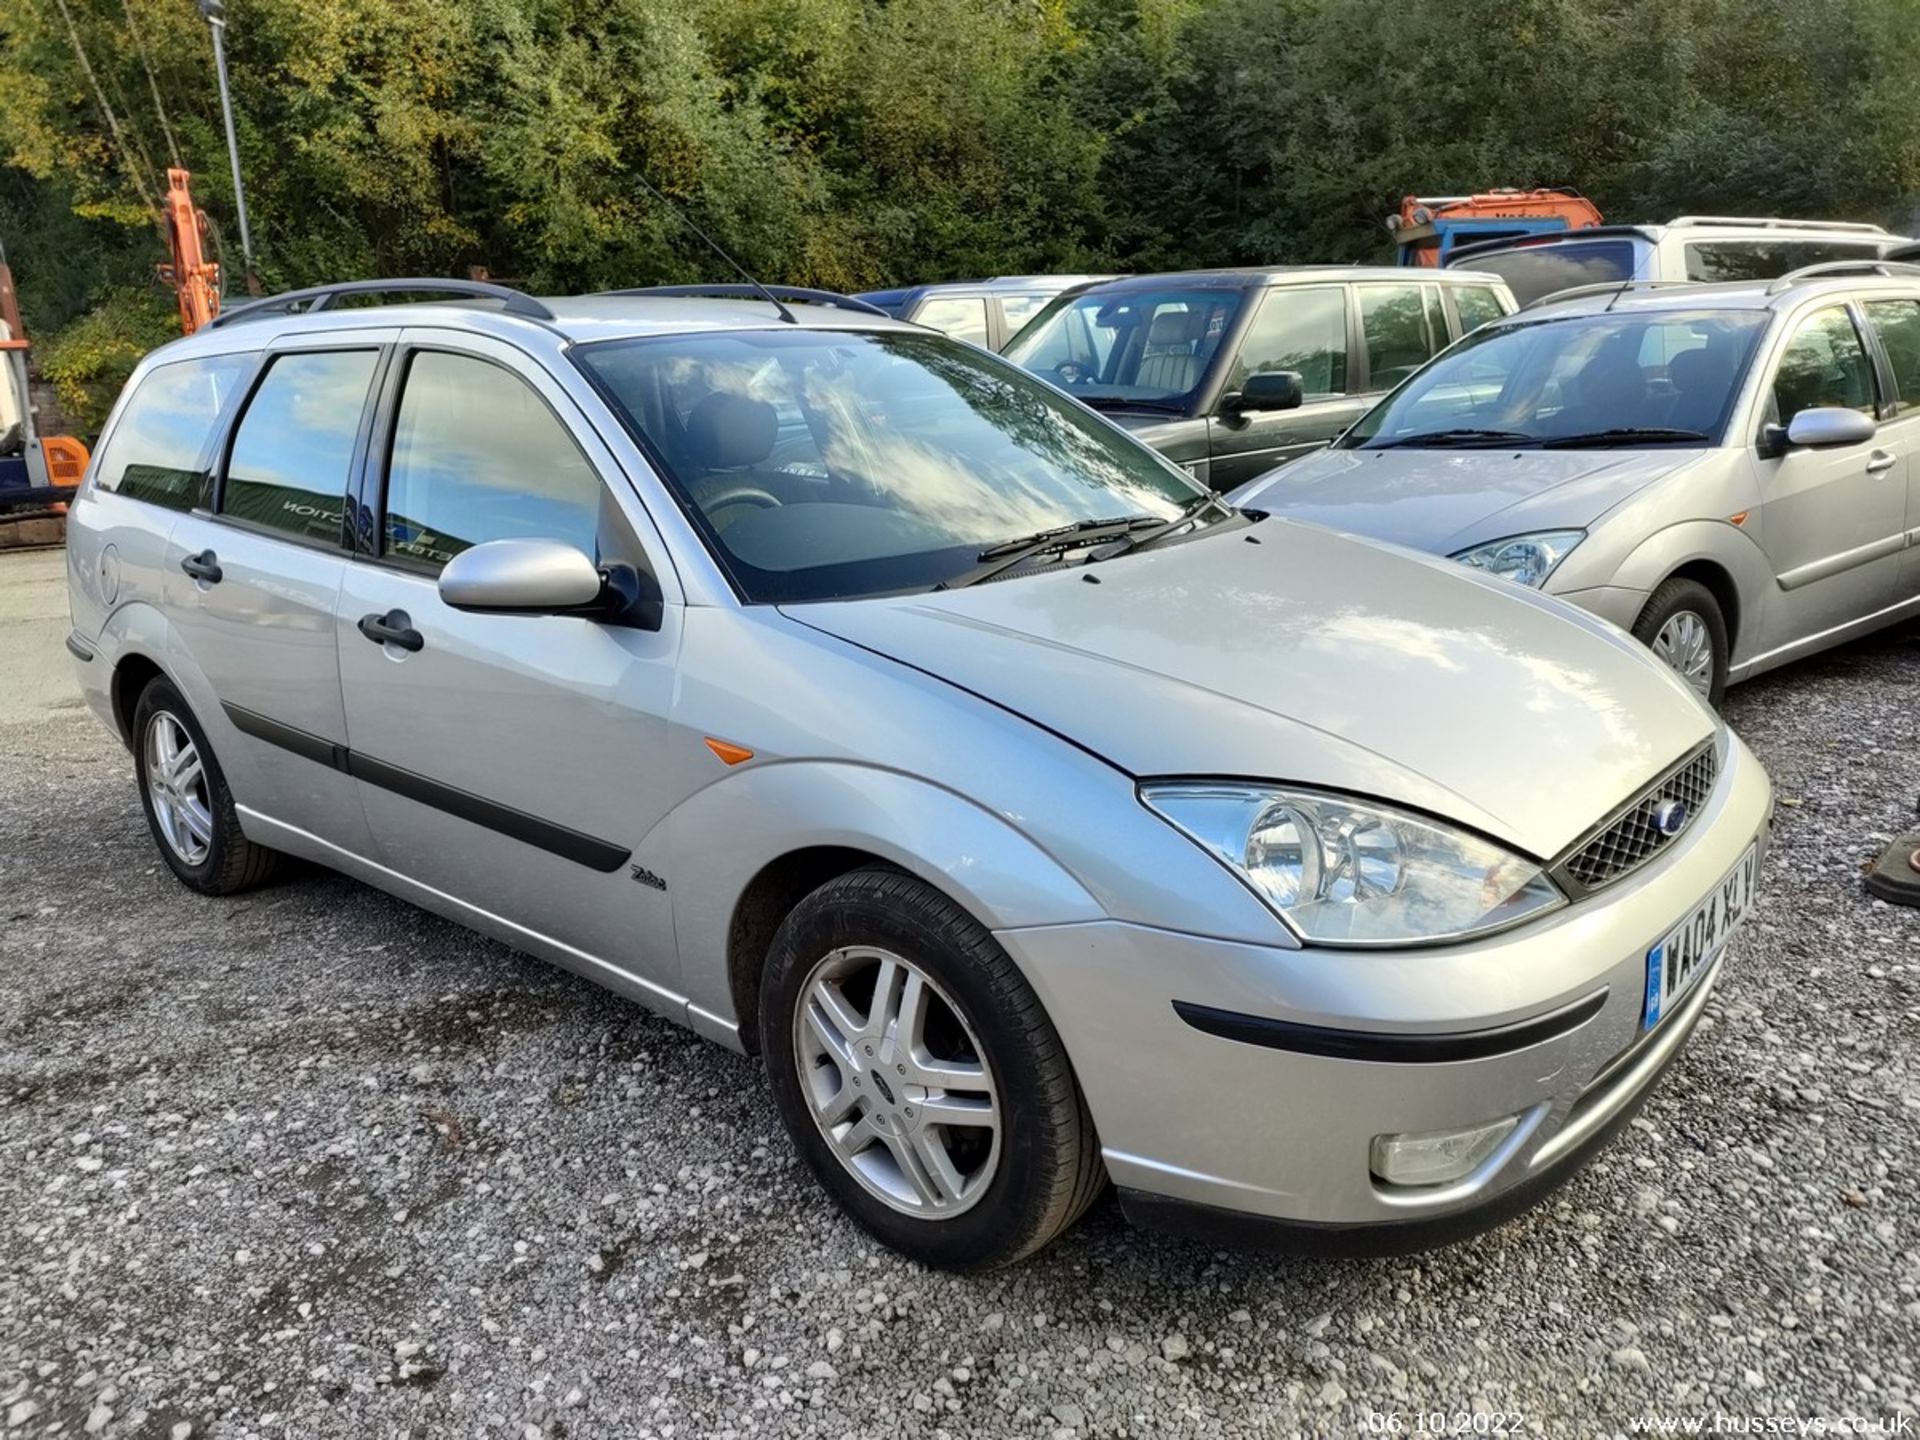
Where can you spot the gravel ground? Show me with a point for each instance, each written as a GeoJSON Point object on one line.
{"type": "Point", "coordinates": [311, 1163]}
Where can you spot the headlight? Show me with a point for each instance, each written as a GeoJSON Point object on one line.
{"type": "Point", "coordinates": [1350, 872]}
{"type": "Point", "coordinates": [1525, 559]}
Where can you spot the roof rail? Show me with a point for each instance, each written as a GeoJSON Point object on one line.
{"type": "Point", "coordinates": [1854, 227]}
{"type": "Point", "coordinates": [799, 295]}
{"type": "Point", "coordinates": [1888, 269]}
{"type": "Point", "coordinates": [321, 297]}
{"type": "Point", "coordinates": [1616, 288]}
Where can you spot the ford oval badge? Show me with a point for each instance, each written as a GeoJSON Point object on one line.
{"type": "Point", "coordinates": [1670, 817]}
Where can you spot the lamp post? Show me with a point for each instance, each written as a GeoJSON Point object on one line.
{"type": "Point", "coordinates": [216, 13]}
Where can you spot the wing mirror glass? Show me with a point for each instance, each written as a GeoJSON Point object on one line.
{"type": "Point", "coordinates": [1267, 390]}
{"type": "Point", "coordinates": [1822, 426]}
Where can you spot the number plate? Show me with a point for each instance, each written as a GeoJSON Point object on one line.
{"type": "Point", "coordinates": [1689, 948]}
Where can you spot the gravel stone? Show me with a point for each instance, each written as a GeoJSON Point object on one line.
{"type": "Point", "coordinates": [213, 1054]}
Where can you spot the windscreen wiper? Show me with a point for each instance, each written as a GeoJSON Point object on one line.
{"type": "Point", "coordinates": [1143, 537]}
{"type": "Point", "coordinates": [1438, 438]}
{"type": "Point", "coordinates": [1625, 435]}
{"type": "Point", "coordinates": [1125, 402]}
{"type": "Point", "coordinates": [1009, 553]}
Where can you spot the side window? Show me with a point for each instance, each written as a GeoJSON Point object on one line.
{"type": "Point", "coordinates": [288, 468]}
{"type": "Point", "coordinates": [1393, 318]}
{"type": "Point", "coordinates": [1477, 305]}
{"type": "Point", "coordinates": [962, 316]}
{"type": "Point", "coordinates": [1016, 310]}
{"type": "Point", "coordinates": [1298, 329]}
{"type": "Point", "coordinates": [1723, 260]}
{"type": "Point", "coordinates": [1824, 364]}
{"type": "Point", "coordinates": [1897, 323]}
{"type": "Point", "coordinates": [478, 456]}
{"type": "Point", "coordinates": [156, 449]}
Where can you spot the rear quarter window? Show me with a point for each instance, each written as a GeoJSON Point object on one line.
{"type": "Point", "coordinates": [1539, 270]}
{"type": "Point", "coordinates": [157, 452]}
{"type": "Point", "coordinates": [1723, 260]}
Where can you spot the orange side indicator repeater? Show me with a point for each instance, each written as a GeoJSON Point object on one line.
{"type": "Point", "coordinates": [1739, 517]}
{"type": "Point", "coordinates": [729, 754]}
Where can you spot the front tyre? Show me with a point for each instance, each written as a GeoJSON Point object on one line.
{"type": "Point", "coordinates": [1683, 625]}
{"type": "Point", "coordinates": [920, 1078]}
{"type": "Point", "coordinates": [189, 808]}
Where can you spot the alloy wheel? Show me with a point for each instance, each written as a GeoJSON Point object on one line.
{"type": "Point", "coordinates": [897, 1082]}
{"type": "Point", "coordinates": [1686, 644]}
{"type": "Point", "coordinates": [177, 786]}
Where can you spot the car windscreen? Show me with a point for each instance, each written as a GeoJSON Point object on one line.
{"type": "Point", "coordinates": [826, 464]}
{"type": "Point", "coordinates": [1532, 271]}
{"type": "Point", "coordinates": [1134, 348]}
{"type": "Point", "coordinates": [1625, 379]}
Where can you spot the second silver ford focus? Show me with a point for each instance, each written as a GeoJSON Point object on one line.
{"type": "Point", "coordinates": [845, 693]}
{"type": "Point", "coordinates": [1730, 472]}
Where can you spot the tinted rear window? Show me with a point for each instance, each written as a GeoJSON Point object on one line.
{"type": "Point", "coordinates": [157, 451]}
{"type": "Point", "coordinates": [1709, 260]}
{"type": "Point", "coordinates": [1538, 270]}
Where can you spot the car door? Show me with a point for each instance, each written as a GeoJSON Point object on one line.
{"type": "Point", "coordinates": [1896, 325]}
{"type": "Point", "coordinates": [1832, 521]}
{"type": "Point", "coordinates": [253, 579]}
{"type": "Point", "coordinates": [509, 762]}
{"type": "Point", "coordinates": [1303, 328]}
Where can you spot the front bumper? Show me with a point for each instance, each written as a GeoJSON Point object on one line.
{"type": "Point", "coordinates": [1204, 1124]}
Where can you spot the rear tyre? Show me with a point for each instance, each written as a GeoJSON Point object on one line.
{"type": "Point", "coordinates": [920, 1078]}
{"type": "Point", "coordinates": [189, 808]}
{"type": "Point", "coordinates": [1683, 625]}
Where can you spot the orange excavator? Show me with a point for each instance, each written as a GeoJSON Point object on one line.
{"type": "Point", "coordinates": [1430, 228]}
{"type": "Point", "coordinates": [38, 473]}
{"type": "Point", "coordinates": [194, 278]}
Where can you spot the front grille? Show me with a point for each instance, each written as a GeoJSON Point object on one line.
{"type": "Point", "coordinates": [1631, 838]}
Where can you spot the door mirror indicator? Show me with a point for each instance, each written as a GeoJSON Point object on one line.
{"type": "Point", "coordinates": [1824, 426]}
{"type": "Point", "coordinates": [1266, 390]}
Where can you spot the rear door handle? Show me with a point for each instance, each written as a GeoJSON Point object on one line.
{"type": "Point", "coordinates": [393, 628]}
{"type": "Point", "coordinates": [1879, 462]}
{"type": "Point", "coordinates": [204, 567]}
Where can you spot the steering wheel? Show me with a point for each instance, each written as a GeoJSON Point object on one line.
{"type": "Point", "coordinates": [738, 492]}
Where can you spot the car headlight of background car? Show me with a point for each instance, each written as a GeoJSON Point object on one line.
{"type": "Point", "coordinates": [1525, 559]}
{"type": "Point", "coordinates": [1341, 871]}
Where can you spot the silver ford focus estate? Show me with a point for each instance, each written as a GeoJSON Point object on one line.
{"type": "Point", "coordinates": [845, 693]}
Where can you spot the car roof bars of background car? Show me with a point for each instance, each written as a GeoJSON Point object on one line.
{"type": "Point", "coordinates": [321, 297]}
{"type": "Point", "coordinates": [1853, 227]}
{"type": "Point", "coordinates": [728, 291]}
{"type": "Point", "coordinates": [1833, 269]}
{"type": "Point", "coordinates": [1616, 288]}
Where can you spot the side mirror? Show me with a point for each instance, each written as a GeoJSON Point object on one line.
{"type": "Point", "coordinates": [528, 576]}
{"type": "Point", "coordinates": [1823, 426]}
{"type": "Point", "coordinates": [1266, 390]}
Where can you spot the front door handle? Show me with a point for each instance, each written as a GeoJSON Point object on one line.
{"type": "Point", "coordinates": [393, 628]}
{"type": "Point", "coordinates": [1879, 462]}
{"type": "Point", "coordinates": [204, 567]}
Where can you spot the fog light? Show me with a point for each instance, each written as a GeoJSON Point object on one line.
{"type": "Point", "coordinates": [1437, 1156]}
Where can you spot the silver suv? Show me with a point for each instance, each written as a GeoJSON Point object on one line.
{"type": "Point", "coordinates": [1731, 472]}
{"type": "Point", "coordinates": [841, 691]}
{"type": "Point", "coordinates": [1710, 249]}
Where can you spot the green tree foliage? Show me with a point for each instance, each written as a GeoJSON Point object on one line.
{"type": "Point", "coordinates": [853, 143]}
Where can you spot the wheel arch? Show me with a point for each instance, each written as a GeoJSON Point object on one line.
{"type": "Point", "coordinates": [1714, 553]}
{"type": "Point", "coordinates": [767, 836]}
